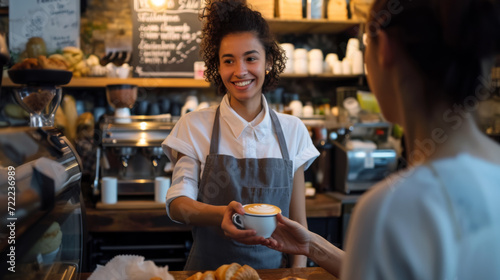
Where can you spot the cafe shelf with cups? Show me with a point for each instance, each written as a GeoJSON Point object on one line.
{"type": "Point", "coordinates": [314, 64]}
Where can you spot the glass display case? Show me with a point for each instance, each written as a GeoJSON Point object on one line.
{"type": "Point", "coordinates": [41, 210]}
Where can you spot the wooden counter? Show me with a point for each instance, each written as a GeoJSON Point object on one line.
{"type": "Point", "coordinates": [100, 82]}
{"type": "Point", "coordinates": [310, 273]}
{"type": "Point", "coordinates": [123, 220]}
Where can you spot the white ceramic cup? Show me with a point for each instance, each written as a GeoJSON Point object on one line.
{"type": "Point", "coordinates": [337, 67]}
{"type": "Point", "coordinates": [300, 53]}
{"type": "Point", "coordinates": [289, 68]}
{"type": "Point", "coordinates": [352, 46]}
{"type": "Point", "coordinates": [329, 61]}
{"type": "Point", "coordinates": [315, 67]}
{"type": "Point", "coordinates": [109, 190]}
{"type": "Point", "coordinates": [123, 71]}
{"type": "Point", "coordinates": [260, 217]}
{"type": "Point", "coordinates": [331, 57]}
{"type": "Point", "coordinates": [357, 63]}
{"type": "Point", "coordinates": [161, 187]}
{"type": "Point", "coordinates": [300, 66]}
{"type": "Point", "coordinates": [315, 54]}
{"type": "Point", "coordinates": [289, 49]}
{"type": "Point", "coordinates": [346, 67]}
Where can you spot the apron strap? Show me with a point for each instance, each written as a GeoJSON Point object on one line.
{"type": "Point", "coordinates": [279, 133]}
{"type": "Point", "coordinates": [214, 141]}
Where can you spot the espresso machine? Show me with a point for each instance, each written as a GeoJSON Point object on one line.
{"type": "Point", "coordinates": [363, 158]}
{"type": "Point", "coordinates": [131, 152]}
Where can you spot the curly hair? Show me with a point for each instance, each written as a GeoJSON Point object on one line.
{"type": "Point", "coordinates": [223, 17]}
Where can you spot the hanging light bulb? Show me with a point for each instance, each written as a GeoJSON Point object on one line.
{"type": "Point", "coordinates": [157, 3]}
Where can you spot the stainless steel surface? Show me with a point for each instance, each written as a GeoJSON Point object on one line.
{"type": "Point", "coordinates": [95, 184]}
{"type": "Point", "coordinates": [133, 152]}
{"type": "Point", "coordinates": [357, 170]}
{"type": "Point", "coordinates": [44, 179]}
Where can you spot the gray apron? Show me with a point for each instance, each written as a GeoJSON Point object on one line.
{"type": "Point", "coordinates": [248, 180]}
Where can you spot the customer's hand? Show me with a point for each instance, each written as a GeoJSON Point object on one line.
{"type": "Point", "coordinates": [246, 236]}
{"type": "Point", "coordinates": [289, 237]}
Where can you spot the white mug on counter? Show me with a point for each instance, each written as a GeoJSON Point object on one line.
{"type": "Point", "coordinates": [109, 190]}
{"type": "Point", "coordinates": [260, 217]}
{"type": "Point", "coordinates": [162, 184]}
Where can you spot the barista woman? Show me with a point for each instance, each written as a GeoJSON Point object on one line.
{"type": "Point", "coordinates": [428, 63]}
{"type": "Point", "coordinates": [239, 151]}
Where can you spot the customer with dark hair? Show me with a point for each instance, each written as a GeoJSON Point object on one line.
{"type": "Point", "coordinates": [239, 152]}
{"type": "Point", "coordinates": [428, 63]}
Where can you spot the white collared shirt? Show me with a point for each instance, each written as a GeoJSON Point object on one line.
{"type": "Point", "coordinates": [238, 138]}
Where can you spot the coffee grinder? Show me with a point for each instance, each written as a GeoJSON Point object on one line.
{"type": "Point", "coordinates": [40, 94]}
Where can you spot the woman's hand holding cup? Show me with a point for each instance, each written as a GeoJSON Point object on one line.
{"type": "Point", "coordinates": [245, 236]}
{"type": "Point", "coordinates": [260, 217]}
{"type": "Point", "coordinates": [250, 224]}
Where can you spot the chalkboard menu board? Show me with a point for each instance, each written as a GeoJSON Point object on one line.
{"type": "Point", "coordinates": [166, 38]}
{"type": "Point", "coordinates": [56, 21]}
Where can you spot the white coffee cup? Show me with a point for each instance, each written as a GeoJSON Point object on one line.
{"type": "Point", "coordinates": [337, 67]}
{"type": "Point", "coordinates": [260, 217]}
{"type": "Point", "coordinates": [300, 53]}
{"type": "Point", "coordinates": [289, 66]}
{"type": "Point", "coordinates": [315, 67]}
{"type": "Point", "coordinates": [346, 67]}
{"type": "Point", "coordinates": [300, 66]}
{"type": "Point", "coordinates": [161, 187]}
{"type": "Point", "coordinates": [357, 62]}
{"type": "Point", "coordinates": [289, 50]}
{"type": "Point", "coordinates": [329, 61]}
{"type": "Point", "coordinates": [109, 190]}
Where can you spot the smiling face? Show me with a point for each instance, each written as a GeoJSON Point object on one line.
{"type": "Point", "coordinates": [242, 67]}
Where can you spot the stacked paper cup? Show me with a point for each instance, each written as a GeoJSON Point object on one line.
{"type": "Point", "coordinates": [315, 61]}
{"type": "Point", "coordinates": [289, 53]}
{"type": "Point", "coordinates": [354, 56]}
{"type": "Point", "coordinates": [300, 61]}
{"type": "Point", "coordinates": [332, 64]}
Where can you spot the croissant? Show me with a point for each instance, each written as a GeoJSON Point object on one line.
{"type": "Point", "coordinates": [292, 278]}
{"type": "Point", "coordinates": [207, 275]}
{"type": "Point", "coordinates": [27, 63]}
{"type": "Point", "coordinates": [225, 272]}
{"type": "Point", "coordinates": [196, 276]}
{"type": "Point", "coordinates": [232, 271]}
{"type": "Point", "coordinates": [52, 63]}
{"type": "Point", "coordinates": [245, 272]}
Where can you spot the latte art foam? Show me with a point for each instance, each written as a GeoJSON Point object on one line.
{"type": "Point", "coordinates": [261, 209]}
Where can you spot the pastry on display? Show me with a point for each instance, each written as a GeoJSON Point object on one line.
{"type": "Point", "coordinates": [225, 272]}
{"type": "Point", "coordinates": [41, 62]}
{"type": "Point", "coordinates": [232, 271]}
{"type": "Point", "coordinates": [49, 242]}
